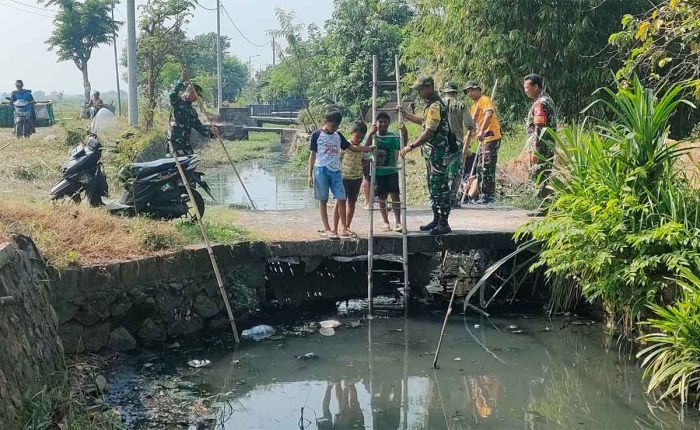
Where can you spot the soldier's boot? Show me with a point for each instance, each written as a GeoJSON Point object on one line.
{"type": "Point", "coordinates": [443, 227]}
{"type": "Point", "coordinates": [432, 224]}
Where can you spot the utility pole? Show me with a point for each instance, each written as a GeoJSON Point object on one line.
{"type": "Point", "coordinates": [131, 62]}
{"type": "Point", "coordinates": [219, 85]}
{"type": "Point", "coordinates": [274, 52]}
{"type": "Point", "coordinates": [116, 67]}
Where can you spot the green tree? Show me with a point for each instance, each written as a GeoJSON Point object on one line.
{"type": "Point", "coordinates": [200, 59]}
{"type": "Point", "coordinates": [80, 27]}
{"type": "Point", "coordinates": [160, 43]}
{"type": "Point", "coordinates": [663, 46]}
{"type": "Point", "coordinates": [349, 48]}
{"type": "Point", "coordinates": [485, 40]}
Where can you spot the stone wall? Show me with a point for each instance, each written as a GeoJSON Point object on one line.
{"type": "Point", "coordinates": [30, 349]}
{"type": "Point", "coordinates": [155, 300]}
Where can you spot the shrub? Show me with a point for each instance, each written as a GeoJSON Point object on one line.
{"type": "Point", "coordinates": [671, 360]}
{"type": "Point", "coordinates": [624, 222]}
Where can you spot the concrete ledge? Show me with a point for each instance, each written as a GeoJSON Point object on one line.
{"type": "Point", "coordinates": [459, 241]}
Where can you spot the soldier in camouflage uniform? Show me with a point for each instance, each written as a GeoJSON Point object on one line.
{"type": "Point", "coordinates": [184, 118]}
{"type": "Point", "coordinates": [440, 150]}
{"type": "Point", "coordinates": [461, 125]}
{"type": "Point", "coordinates": [540, 144]}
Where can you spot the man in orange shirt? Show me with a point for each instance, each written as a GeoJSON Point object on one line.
{"type": "Point", "coordinates": [488, 132]}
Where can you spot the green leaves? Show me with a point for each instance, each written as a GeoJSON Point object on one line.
{"type": "Point", "coordinates": [624, 222]}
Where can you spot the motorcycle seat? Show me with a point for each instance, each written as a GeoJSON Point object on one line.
{"type": "Point", "coordinates": [150, 167]}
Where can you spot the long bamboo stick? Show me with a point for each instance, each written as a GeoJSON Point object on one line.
{"type": "Point", "coordinates": [212, 257]}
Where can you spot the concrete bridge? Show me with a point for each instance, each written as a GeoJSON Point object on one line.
{"type": "Point", "coordinates": [294, 233]}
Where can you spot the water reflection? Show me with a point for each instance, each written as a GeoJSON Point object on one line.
{"type": "Point", "coordinates": [380, 377]}
{"type": "Point", "coordinates": [272, 184]}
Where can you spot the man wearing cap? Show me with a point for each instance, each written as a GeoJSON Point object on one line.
{"type": "Point", "coordinates": [440, 150]}
{"type": "Point", "coordinates": [184, 118]}
{"type": "Point", "coordinates": [488, 132]}
{"type": "Point", "coordinates": [460, 121]}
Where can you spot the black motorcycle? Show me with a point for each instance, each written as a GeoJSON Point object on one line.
{"type": "Point", "coordinates": [83, 173]}
{"type": "Point", "coordinates": [156, 189]}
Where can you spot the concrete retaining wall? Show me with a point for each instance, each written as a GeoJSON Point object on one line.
{"type": "Point", "coordinates": [155, 300]}
{"type": "Point", "coordinates": [30, 349]}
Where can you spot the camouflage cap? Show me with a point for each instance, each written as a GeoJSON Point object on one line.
{"type": "Point", "coordinates": [423, 81]}
{"type": "Point", "coordinates": [471, 85]}
{"type": "Point", "coordinates": [450, 87]}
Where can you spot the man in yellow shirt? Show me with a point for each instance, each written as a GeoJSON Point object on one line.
{"type": "Point", "coordinates": [488, 132]}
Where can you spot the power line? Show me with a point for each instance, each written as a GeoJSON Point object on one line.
{"type": "Point", "coordinates": [240, 32]}
{"type": "Point", "coordinates": [32, 6]}
{"type": "Point", "coordinates": [204, 7]}
{"type": "Point", "coordinates": [26, 11]}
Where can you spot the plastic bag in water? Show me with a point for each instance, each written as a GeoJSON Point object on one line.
{"type": "Point", "coordinates": [259, 332]}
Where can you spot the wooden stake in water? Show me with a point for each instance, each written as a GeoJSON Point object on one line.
{"type": "Point", "coordinates": [212, 257]}
{"type": "Point", "coordinates": [444, 324]}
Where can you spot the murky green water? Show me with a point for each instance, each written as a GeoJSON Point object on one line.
{"type": "Point", "coordinates": [516, 373]}
{"type": "Point", "coordinates": [271, 184]}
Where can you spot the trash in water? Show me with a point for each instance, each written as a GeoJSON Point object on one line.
{"type": "Point", "coordinates": [458, 359]}
{"type": "Point", "coordinates": [330, 324]}
{"type": "Point", "coordinates": [517, 331]}
{"type": "Point", "coordinates": [307, 356]}
{"type": "Point", "coordinates": [477, 325]}
{"type": "Point", "coordinates": [355, 324]}
{"type": "Point", "coordinates": [327, 331]}
{"type": "Point", "coordinates": [512, 327]}
{"type": "Point", "coordinates": [198, 363]}
{"type": "Point", "coordinates": [259, 332]}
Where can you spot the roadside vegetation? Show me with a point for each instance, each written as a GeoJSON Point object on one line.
{"type": "Point", "coordinates": [623, 230]}
{"type": "Point", "coordinates": [69, 234]}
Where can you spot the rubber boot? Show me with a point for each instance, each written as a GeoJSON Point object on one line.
{"type": "Point", "coordinates": [443, 227]}
{"type": "Point", "coordinates": [432, 224]}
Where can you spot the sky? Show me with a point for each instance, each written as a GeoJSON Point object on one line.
{"type": "Point", "coordinates": [26, 25]}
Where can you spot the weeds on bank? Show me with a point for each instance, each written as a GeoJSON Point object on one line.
{"type": "Point", "coordinates": [258, 146]}
{"type": "Point", "coordinates": [70, 235]}
{"type": "Point", "coordinates": [64, 405]}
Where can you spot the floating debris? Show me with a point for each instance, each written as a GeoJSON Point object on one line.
{"type": "Point", "coordinates": [512, 327]}
{"type": "Point", "coordinates": [517, 331]}
{"type": "Point", "coordinates": [477, 325]}
{"type": "Point", "coordinates": [327, 331]}
{"type": "Point", "coordinates": [458, 359]}
{"type": "Point", "coordinates": [198, 363]}
{"type": "Point", "coordinates": [307, 356]}
{"type": "Point", "coordinates": [355, 324]}
{"type": "Point", "coordinates": [258, 332]}
{"type": "Point", "coordinates": [330, 324]}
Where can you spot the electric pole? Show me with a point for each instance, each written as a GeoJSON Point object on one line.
{"type": "Point", "coordinates": [219, 85]}
{"type": "Point", "coordinates": [274, 52]}
{"type": "Point", "coordinates": [131, 63]}
{"type": "Point", "coordinates": [116, 67]}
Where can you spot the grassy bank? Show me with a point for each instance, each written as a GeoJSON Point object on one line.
{"type": "Point", "coordinates": [258, 146]}
{"type": "Point", "coordinates": [69, 234]}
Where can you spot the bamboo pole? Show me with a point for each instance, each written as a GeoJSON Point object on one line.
{"type": "Point", "coordinates": [373, 172]}
{"type": "Point", "coordinates": [230, 160]}
{"type": "Point", "coordinates": [444, 324]}
{"type": "Point", "coordinates": [212, 257]}
{"type": "Point", "coordinates": [404, 196]}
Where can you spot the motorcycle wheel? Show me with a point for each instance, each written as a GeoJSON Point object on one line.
{"type": "Point", "coordinates": [199, 202]}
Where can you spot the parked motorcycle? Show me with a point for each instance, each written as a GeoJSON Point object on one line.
{"type": "Point", "coordinates": [156, 189]}
{"type": "Point", "coordinates": [83, 173]}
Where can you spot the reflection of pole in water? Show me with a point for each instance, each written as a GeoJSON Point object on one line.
{"type": "Point", "coordinates": [442, 402]}
{"type": "Point", "coordinates": [371, 371]}
{"type": "Point", "coordinates": [404, 379]}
